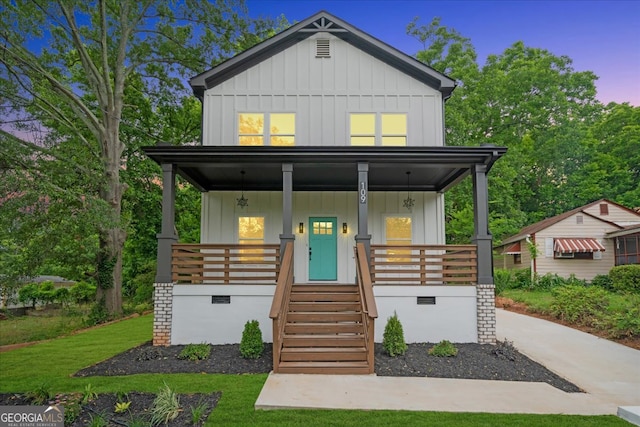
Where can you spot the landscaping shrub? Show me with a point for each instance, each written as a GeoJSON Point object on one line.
{"type": "Point", "coordinates": [98, 314]}
{"type": "Point", "coordinates": [195, 352]}
{"type": "Point", "coordinates": [82, 293]}
{"type": "Point", "coordinates": [504, 279]}
{"type": "Point", "coordinates": [46, 292]}
{"type": "Point", "coordinates": [393, 337]}
{"type": "Point", "coordinates": [624, 322]}
{"type": "Point", "coordinates": [550, 281]}
{"type": "Point", "coordinates": [603, 281]}
{"type": "Point", "coordinates": [143, 284]}
{"type": "Point", "coordinates": [62, 296]}
{"type": "Point", "coordinates": [523, 278]}
{"type": "Point", "coordinates": [443, 349]}
{"type": "Point", "coordinates": [166, 406]}
{"type": "Point", "coordinates": [251, 345]}
{"type": "Point", "coordinates": [626, 278]}
{"type": "Point", "coordinates": [579, 304]}
{"type": "Point", "coordinates": [28, 294]}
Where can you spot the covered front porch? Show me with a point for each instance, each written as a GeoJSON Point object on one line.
{"type": "Point", "coordinates": [388, 271]}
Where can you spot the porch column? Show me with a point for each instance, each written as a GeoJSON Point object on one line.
{"type": "Point", "coordinates": [363, 235]}
{"type": "Point", "coordinates": [167, 236]}
{"type": "Point", "coordinates": [163, 286]}
{"type": "Point", "coordinates": [482, 238]}
{"type": "Point", "coordinates": [485, 288]}
{"type": "Point", "coordinates": [287, 206]}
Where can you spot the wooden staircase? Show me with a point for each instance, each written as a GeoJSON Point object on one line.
{"type": "Point", "coordinates": [324, 331]}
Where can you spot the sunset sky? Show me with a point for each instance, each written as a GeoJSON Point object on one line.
{"type": "Point", "coordinates": [600, 36]}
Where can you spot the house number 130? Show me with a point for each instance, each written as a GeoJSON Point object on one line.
{"type": "Point", "coordinates": [363, 192]}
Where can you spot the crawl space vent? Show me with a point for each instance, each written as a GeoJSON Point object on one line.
{"type": "Point", "coordinates": [220, 299]}
{"type": "Point", "coordinates": [323, 48]}
{"type": "Point", "coordinates": [426, 300]}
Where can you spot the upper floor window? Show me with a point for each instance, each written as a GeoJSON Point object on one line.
{"type": "Point", "coordinates": [387, 129]}
{"type": "Point", "coordinates": [276, 129]}
{"type": "Point", "coordinates": [604, 209]}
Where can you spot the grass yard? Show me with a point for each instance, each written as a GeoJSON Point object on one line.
{"type": "Point", "coordinates": [53, 362]}
{"type": "Point", "coordinates": [44, 326]}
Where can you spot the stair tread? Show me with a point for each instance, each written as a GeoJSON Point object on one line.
{"type": "Point", "coordinates": [321, 363]}
{"type": "Point", "coordinates": [323, 349]}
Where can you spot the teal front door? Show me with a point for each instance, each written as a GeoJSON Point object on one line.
{"type": "Point", "coordinates": [323, 248]}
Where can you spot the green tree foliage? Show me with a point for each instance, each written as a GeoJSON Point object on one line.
{"type": "Point", "coordinates": [86, 84]}
{"type": "Point", "coordinates": [393, 337]}
{"type": "Point", "coordinates": [565, 148]}
{"type": "Point", "coordinates": [251, 345]}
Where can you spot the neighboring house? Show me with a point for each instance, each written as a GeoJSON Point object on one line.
{"type": "Point", "coordinates": [585, 241]}
{"type": "Point", "coordinates": [11, 300]}
{"type": "Point", "coordinates": [323, 165]}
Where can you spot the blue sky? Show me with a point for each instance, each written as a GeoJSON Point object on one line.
{"type": "Point", "coordinates": [600, 36]}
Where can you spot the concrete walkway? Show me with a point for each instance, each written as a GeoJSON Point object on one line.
{"type": "Point", "coordinates": [608, 372]}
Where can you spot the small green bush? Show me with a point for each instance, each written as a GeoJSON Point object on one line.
{"type": "Point", "coordinates": [549, 281]}
{"type": "Point", "coordinates": [195, 352]}
{"type": "Point", "coordinates": [28, 294]}
{"type": "Point", "coordinates": [98, 314]}
{"type": "Point", "coordinates": [504, 279]}
{"type": "Point", "coordinates": [579, 304]}
{"type": "Point", "coordinates": [443, 349]}
{"type": "Point", "coordinates": [603, 281]}
{"type": "Point", "coordinates": [82, 293]}
{"type": "Point", "coordinates": [166, 406]}
{"type": "Point", "coordinates": [523, 278]}
{"type": "Point", "coordinates": [626, 278]}
{"type": "Point", "coordinates": [624, 322]}
{"type": "Point", "coordinates": [393, 337]}
{"type": "Point", "coordinates": [47, 292]}
{"type": "Point", "coordinates": [251, 345]}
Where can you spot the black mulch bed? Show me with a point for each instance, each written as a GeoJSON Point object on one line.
{"type": "Point", "coordinates": [473, 361]}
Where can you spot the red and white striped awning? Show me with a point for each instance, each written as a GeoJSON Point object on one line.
{"type": "Point", "coordinates": [577, 245]}
{"type": "Point", "coordinates": [513, 249]}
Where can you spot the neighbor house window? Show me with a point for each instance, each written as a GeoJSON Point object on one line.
{"type": "Point", "coordinates": [251, 232]}
{"type": "Point", "coordinates": [517, 258]}
{"type": "Point", "coordinates": [277, 129]}
{"type": "Point", "coordinates": [368, 129]}
{"type": "Point", "coordinates": [604, 209]}
{"type": "Point", "coordinates": [398, 233]}
{"type": "Point", "coordinates": [628, 250]}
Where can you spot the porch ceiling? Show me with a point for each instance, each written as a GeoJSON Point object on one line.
{"type": "Point", "coordinates": [217, 168]}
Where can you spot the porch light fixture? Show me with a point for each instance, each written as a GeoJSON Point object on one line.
{"type": "Point", "coordinates": [301, 228]}
{"type": "Point", "coordinates": [408, 202]}
{"type": "Point", "coordinates": [242, 202]}
{"type": "Point", "coordinates": [344, 228]}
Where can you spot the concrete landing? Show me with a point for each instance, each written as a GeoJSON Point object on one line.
{"type": "Point", "coordinates": [630, 413]}
{"type": "Point", "coordinates": [423, 394]}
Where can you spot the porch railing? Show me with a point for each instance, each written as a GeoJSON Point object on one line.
{"type": "Point", "coordinates": [280, 304]}
{"type": "Point", "coordinates": [368, 302]}
{"type": "Point", "coordinates": [225, 263]}
{"type": "Point", "coordinates": [424, 264]}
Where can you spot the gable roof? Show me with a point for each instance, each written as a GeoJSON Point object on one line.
{"type": "Point", "coordinates": [322, 22]}
{"type": "Point", "coordinates": [545, 223]}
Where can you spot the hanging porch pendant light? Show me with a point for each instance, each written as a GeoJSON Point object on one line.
{"type": "Point", "coordinates": [408, 202]}
{"type": "Point", "coordinates": [242, 202]}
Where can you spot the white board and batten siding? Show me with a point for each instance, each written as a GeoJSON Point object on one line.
{"type": "Point", "coordinates": [220, 216]}
{"type": "Point", "coordinates": [570, 227]}
{"type": "Point", "coordinates": [322, 92]}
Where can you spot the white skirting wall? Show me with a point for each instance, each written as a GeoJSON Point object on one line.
{"type": "Point", "coordinates": [452, 317]}
{"type": "Point", "coordinates": [195, 319]}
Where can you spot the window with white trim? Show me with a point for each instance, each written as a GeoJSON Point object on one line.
{"type": "Point", "coordinates": [277, 129]}
{"type": "Point", "coordinates": [386, 129]}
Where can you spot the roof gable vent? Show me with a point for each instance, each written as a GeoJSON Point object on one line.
{"type": "Point", "coordinates": [323, 48]}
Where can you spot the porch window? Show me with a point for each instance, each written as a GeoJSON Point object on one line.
{"type": "Point", "coordinates": [251, 232]}
{"type": "Point", "coordinates": [369, 129]}
{"type": "Point", "coordinates": [398, 233]}
{"type": "Point", "coordinates": [277, 129]}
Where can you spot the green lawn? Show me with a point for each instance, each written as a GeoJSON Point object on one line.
{"type": "Point", "coordinates": [53, 362]}
{"type": "Point", "coordinates": [44, 326]}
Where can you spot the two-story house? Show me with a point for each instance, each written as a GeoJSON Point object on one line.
{"type": "Point", "coordinates": [323, 169]}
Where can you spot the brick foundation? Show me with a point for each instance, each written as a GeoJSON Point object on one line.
{"type": "Point", "coordinates": [486, 310]}
{"type": "Point", "coordinates": [162, 313]}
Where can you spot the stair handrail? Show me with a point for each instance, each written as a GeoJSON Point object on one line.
{"type": "Point", "coordinates": [368, 302]}
{"type": "Point", "coordinates": [280, 303]}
